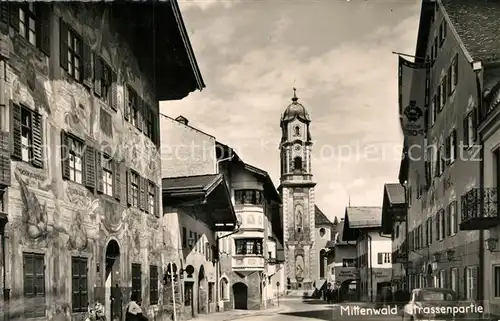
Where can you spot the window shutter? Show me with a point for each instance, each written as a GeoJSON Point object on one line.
{"type": "Point", "coordinates": [448, 221]}
{"type": "Point", "coordinates": [466, 131]}
{"type": "Point", "coordinates": [4, 14]}
{"type": "Point", "coordinates": [450, 80]}
{"type": "Point", "coordinates": [447, 149]}
{"type": "Point", "coordinates": [140, 113]}
{"type": "Point", "coordinates": [147, 184]}
{"type": "Point", "coordinates": [87, 65]}
{"type": "Point", "coordinates": [129, 187]}
{"type": "Point", "coordinates": [37, 140]}
{"type": "Point", "coordinates": [455, 66]}
{"type": "Point", "coordinates": [97, 75]}
{"type": "Point", "coordinates": [64, 155]}
{"type": "Point", "coordinates": [16, 129]}
{"type": "Point", "coordinates": [116, 180]}
{"type": "Point", "coordinates": [455, 144]}
{"type": "Point", "coordinates": [126, 105]}
{"type": "Point", "coordinates": [63, 44]}
{"type": "Point", "coordinates": [142, 192]}
{"type": "Point", "coordinates": [99, 172]}
{"type": "Point", "coordinates": [156, 123]}
{"type": "Point", "coordinates": [43, 25]}
{"type": "Point", "coordinates": [379, 258]}
{"type": "Point", "coordinates": [14, 16]}
{"type": "Point", "coordinates": [157, 201]}
{"type": "Point", "coordinates": [5, 163]}
{"type": "Point", "coordinates": [455, 212]}
{"type": "Point", "coordinates": [474, 123]}
{"type": "Point", "coordinates": [90, 162]}
{"type": "Point", "coordinates": [114, 91]}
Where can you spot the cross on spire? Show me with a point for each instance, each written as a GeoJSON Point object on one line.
{"type": "Point", "coordinates": [295, 94]}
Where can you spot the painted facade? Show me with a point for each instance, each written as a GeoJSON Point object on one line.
{"type": "Point", "coordinates": [83, 205]}
{"type": "Point", "coordinates": [297, 192]}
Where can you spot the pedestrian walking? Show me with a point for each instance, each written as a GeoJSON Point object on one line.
{"type": "Point", "coordinates": [134, 311]}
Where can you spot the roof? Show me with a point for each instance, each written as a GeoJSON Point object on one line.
{"type": "Point", "coordinates": [208, 190]}
{"type": "Point", "coordinates": [320, 218]}
{"type": "Point", "coordinates": [363, 217]}
{"type": "Point", "coordinates": [295, 110]}
{"type": "Point", "coordinates": [476, 23]}
{"type": "Point", "coordinates": [199, 182]}
{"type": "Point", "coordinates": [340, 231]}
{"type": "Point", "coordinates": [395, 193]}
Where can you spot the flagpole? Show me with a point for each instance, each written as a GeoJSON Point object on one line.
{"type": "Point", "coordinates": [406, 55]}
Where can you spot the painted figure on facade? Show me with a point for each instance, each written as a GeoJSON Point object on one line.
{"type": "Point", "coordinates": [298, 214]}
{"type": "Point", "coordinates": [34, 214]}
{"type": "Point", "coordinates": [299, 267]}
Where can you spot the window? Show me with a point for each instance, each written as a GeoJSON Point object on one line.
{"type": "Point", "coordinates": [75, 159]}
{"type": "Point", "coordinates": [26, 135]}
{"type": "Point", "coordinates": [137, 280]}
{"type": "Point", "coordinates": [442, 279]}
{"type": "Point", "coordinates": [184, 237]}
{"type": "Point", "coordinates": [443, 94]}
{"type": "Point", "coordinates": [188, 293]}
{"type": "Point", "coordinates": [433, 112]}
{"type": "Point", "coordinates": [297, 163]}
{"type": "Point", "coordinates": [79, 277]}
{"type": "Point", "coordinates": [442, 33]}
{"type": "Point", "coordinates": [74, 53]}
{"type": "Point", "coordinates": [436, 281]}
{"type": "Point", "coordinates": [148, 121]}
{"type": "Point", "coordinates": [106, 75]}
{"type": "Point", "coordinates": [454, 279]}
{"type": "Point", "coordinates": [151, 198]}
{"type": "Point", "coordinates": [454, 74]}
{"type": "Point", "coordinates": [296, 131]}
{"type": "Point", "coordinates": [383, 258]}
{"type": "Point", "coordinates": [133, 106]}
{"type": "Point", "coordinates": [210, 292]}
{"type": "Point", "coordinates": [471, 278]}
{"type": "Point", "coordinates": [107, 175]}
{"type": "Point", "coordinates": [27, 22]}
{"type": "Point", "coordinates": [496, 281]}
{"type": "Point", "coordinates": [322, 232]}
{"type": "Point", "coordinates": [435, 45]}
{"type": "Point", "coordinates": [134, 185]}
{"type": "Point", "coordinates": [224, 289]}
{"type": "Point", "coordinates": [439, 236]}
{"type": "Point", "coordinates": [442, 161]}
{"type": "Point", "coordinates": [348, 262]}
{"type": "Point", "coordinates": [248, 246]}
{"type": "Point", "coordinates": [254, 197]}
{"type": "Point", "coordinates": [451, 147]}
{"type": "Point", "coordinates": [452, 218]}
{"type": "Point", "coordinates": [469, 129]}
{"type": "Point", "coordinates": [34, 283]}
{"type": "Point", "coordinates": [153, 285]}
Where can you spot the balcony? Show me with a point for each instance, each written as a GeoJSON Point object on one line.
{"type": "Point", "coordinates": [243, 263]}
{"type": "Point", "coordinates": [480, 209]}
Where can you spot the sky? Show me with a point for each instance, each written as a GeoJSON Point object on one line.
{"type": "Point", "coordinates": [337, 53]}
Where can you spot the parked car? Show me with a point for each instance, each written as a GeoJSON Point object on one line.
{"type": "Point", "coordinates": [430, 304]}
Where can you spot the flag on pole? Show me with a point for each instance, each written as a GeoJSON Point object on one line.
{"type": "Point", "coordinates": [413, 96]}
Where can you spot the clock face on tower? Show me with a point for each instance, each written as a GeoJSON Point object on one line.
{"type": "Point", "coordinates": [298, 147]}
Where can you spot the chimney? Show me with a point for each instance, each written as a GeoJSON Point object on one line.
{"type": "Point", "coordinates": [181, 119]}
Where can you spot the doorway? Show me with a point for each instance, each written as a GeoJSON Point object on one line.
{"type": "Point", "coordinates": [113, 298]}
{"type": "Point", "coordinates": [201, 289]}
{"type": "Point", "coordinates": [240, 293]}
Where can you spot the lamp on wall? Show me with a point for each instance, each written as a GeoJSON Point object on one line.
{"type": "Point", "coordinates": [491, 244]}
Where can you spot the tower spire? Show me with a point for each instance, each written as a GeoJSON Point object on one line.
{"type": "Point", "coordinates": [295, 98]}
{"type": "Point", "coordinates": [349, 201]}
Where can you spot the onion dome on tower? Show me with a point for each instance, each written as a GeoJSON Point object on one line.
{"type": "Point", "coordinates": [295, 113]}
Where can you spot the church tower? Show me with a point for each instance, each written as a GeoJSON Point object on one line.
{"type": "Point", "coordinates": [297, 192]}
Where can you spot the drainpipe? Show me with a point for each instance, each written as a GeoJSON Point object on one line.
{"type": "Point", "coordinates": [371, 266]}
{"type": "Point", "coordinates": [481, 274]}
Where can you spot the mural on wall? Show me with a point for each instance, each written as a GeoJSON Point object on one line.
{"type": "Point", "coordinates": [34, 215]}
{"type": "Point", "coordinates": [78, 239]}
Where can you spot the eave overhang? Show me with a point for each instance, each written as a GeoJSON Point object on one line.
{"type": "Point", "coordinates": [213, 195]}
{"type": "Point", "coordinates": [159, 37]}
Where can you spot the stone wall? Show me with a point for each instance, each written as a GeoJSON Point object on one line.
{"type": "Point", "coordinates": [60, 219]}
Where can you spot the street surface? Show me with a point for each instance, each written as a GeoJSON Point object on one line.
{"type": "Point", "coordinates": [294, 309]}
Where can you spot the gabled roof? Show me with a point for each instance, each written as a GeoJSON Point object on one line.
{"type": "Point", "coordinates": [192, 183]}
{"type": "Point", "coordinates": [364, 216]}
{"type": "Point", "coordinates": [320, 218]}
{"type": "Point", "coordinates": [395, 193]}
{"type": "Point", "coordinates": [477, 24]}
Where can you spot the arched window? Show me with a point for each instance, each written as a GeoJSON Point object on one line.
{"type": "Point", "coordinates": [322, 232]}
{"type": "Point", "coordinates": [296, 131]}
{"type": "Point", "coordinates": [224, 289]}
{"type": "Point", "coordinates": [297, 163]}
{"type": "Point", "coordinates": [322, 264]}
